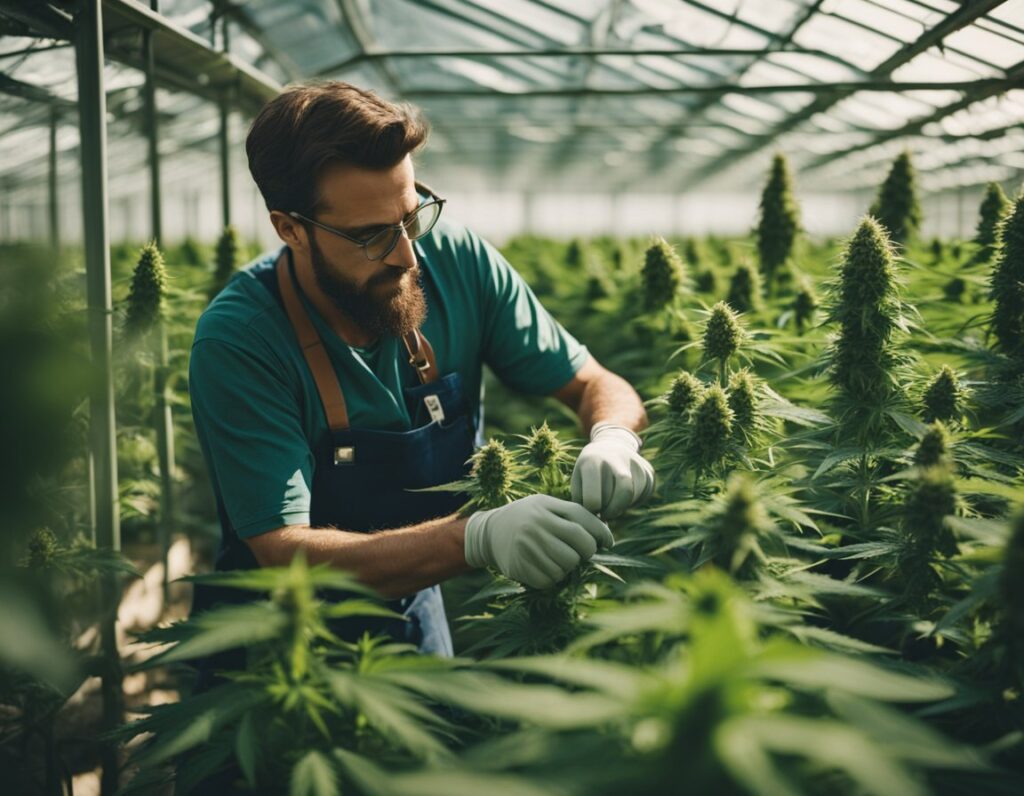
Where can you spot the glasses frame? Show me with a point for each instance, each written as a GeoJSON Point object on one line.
{"type": "Point", "coordinates": [395, 229]}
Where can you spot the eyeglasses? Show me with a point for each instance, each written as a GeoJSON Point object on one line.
{"type": "Point", "coordinates": [379, 245]}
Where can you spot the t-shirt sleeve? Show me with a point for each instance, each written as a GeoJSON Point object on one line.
{"type": "Point", "coordinates": [523, 344]}
{"type": "Point", "coordinates": [249, 425]}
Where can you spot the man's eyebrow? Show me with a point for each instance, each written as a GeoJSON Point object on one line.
{"type": "Point", "coordinates": [379, 225]}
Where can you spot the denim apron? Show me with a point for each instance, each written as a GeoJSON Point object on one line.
{"type": "Point", "coordinates": [362, 479]}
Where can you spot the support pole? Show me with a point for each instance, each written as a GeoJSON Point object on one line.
{"type": "Point", "coordinates": [54, 213]}
{"type": "Point", "coordinates": [107, 531]}
{"type": "Point", "coordinates": [225, 138]}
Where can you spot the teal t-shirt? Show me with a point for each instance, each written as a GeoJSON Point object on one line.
{"type": "Point", "coordinates": [257, 412]}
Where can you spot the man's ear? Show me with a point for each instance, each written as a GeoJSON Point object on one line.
{"type": "Point", "coordinates": [289, 230]}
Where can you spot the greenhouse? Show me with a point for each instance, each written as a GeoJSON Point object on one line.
{"type": "Point", "coordinates": [532, 398]}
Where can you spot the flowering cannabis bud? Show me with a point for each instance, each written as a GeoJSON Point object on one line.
{"type": "Point", "coordinates": [896, 206]}
{"type": "Point", "coordinates": [925, 534]}
{"type": "Point", "coordinates": [42, 549]}
{"type": "Point", "coordinates": [804, 304]}
{"type": "Point", "coordinates": [227, 259]}
{"type": "Point", "coordinates": [779, 222]}
{"type": "Point", "coordinates": [723, 333]}
{"type": "Point", "coordinates": [736, 525]}
{"type": "Point", "coordinates": [994, 209]}
{"type": "Point", "coordinates": [543, 447]}
{"type": "Point", "coordinates": [492, 473]}
{"type": "Point", "coordinates": [742, 396]}
{"type": "Point", "coordinates": [662, 275]}
{"type": "Point", "coordinates": [706, 281]}
{"type": "Point", "coordinates": [866, 306]}
{"type": "Point", "coordinates": [943, 396]}
{"type": "Point", "coordinates": [745, 289]}
{"type": "Point", "coordinates": [711, 427]}
{"type": "Point", "coordinates": [1008, 284]}
{"type": "Point", "coordinates": [933, 449]}
{"type": "Point", "coordinates": [684, 393]}
{"type": "Point", "coordinates": [145, 301]}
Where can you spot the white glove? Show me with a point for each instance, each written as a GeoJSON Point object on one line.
{"type": "Point", "coordinates": [610, 474]}
{"type": "Point", "coordinates": [536, 540]}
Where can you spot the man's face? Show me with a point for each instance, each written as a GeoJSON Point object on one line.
{"type": "Point", "coordinates": [381, 296]}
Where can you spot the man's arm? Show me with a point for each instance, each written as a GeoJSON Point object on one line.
{"type": "Point", "coordinates": [395, 562]}
{"type": "Point", "coordinates": [597, 395]}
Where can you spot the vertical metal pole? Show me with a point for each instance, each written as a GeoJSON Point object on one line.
{"type": "Point", "coordinates": [162, 419]}
{"type": "Point", "coordinates": [225, 163]}
{"type": "Point", "coordinates": [54, 213]}
{"type": "Point", "coordinates": [92, 111]}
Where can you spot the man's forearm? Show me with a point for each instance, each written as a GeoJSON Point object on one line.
{"type": "Point", "coordinates": [611, 399]}
{"type": "Point", "coordinates": [394, 562]}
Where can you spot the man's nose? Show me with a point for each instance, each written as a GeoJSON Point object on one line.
{"type": "Point", "coordinates": [403, 256]}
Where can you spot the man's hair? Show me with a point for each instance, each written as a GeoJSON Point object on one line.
{"type": "Point", "coordinates": [310, 126]}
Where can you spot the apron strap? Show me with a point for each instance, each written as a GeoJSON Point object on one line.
{"type": "Point", "coordinates": [313, 350]}
{"type": "Point", "coordinates": [421, 353]}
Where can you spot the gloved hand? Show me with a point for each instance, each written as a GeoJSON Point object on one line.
{"type": "Point", "coordinates": [610, 474]}
{"type": "Point", "coordinates": [536, 540]}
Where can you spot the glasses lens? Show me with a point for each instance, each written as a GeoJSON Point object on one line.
{"type": "Point", "coordinates": [381, 244]}
{"type": "Point", "coordinates": [423, 220]}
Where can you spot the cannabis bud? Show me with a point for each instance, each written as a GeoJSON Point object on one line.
{"type": "Point", "coordinates": [745, 289]}
{"type": "Point", "coordinates": [706, 281]}
{"type": "Point", "coordinates": [931, 500]}
{"type": "Point", "coordinates": [542, 447]}
{"type": "Point", "coordinates": [43, 547]}
{"type": "Point", "coordinates": [897, 206]}
{"type": "Point", "coordinates": [742, 397]}
{"type": "Point", "coordinates": [804, 304]}
{"type": "Point", "coordinates": [684, 393]}
{"type": "Point", "coordinates": [227, 259]}
{"type": "Point", "coordinates": [954, 290]}
{"type": "Point", "coordinates": [723, 333]}
{"type": "Point", "coordinates": [736, 525]}
{"type": "Point", "coordinates": [492, 472]}
{"type": "Point", "coordinates": [943, 396]}
{"type": "Point", "coordinates": [933, 449]}
{"type": "Point", "coordinates": [145, 300]}
{"type": "Point", "coordinates": [994, 209]}
{"type": "Point", "coordinates": [711, 426]}
{"type": "Point", "coordinates": [663, 275]}
{"type": "Point", "coordinates": [1008, 283]}
{"type": "Point", "coordinates": [779, 222]}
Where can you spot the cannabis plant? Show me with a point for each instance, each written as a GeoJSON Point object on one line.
{"type": "Point", "coordinates": [933, 449]}
{"type": "Point", "coordinates": [1008, 286]}
{"type": "Point", "coordinates": [926, 536]}
{"type": "Point", "coordinates": [495, 479]}
{"type": "Point", "coordinates": [745, 289]}
{"type": "Point", "coordinates": [723, 336]}
{"type": "Point", "coordinates": [662, 277]}
{"type": "Point", "coordinates": [993, 211]}
{"type": "Point", "coordinates": [944, 396]}
{"type": "Point", "coordinates": [547, 461]}
{"type": "Point", "coordinates": [778, 224]}
{"type": "Point", "coordinates": [897, 207]}
{"type": "Point", "coordinates": [743, 399]}
{"type": "Point", "coordinates": [146, 299]}
{"type": "Point", "coordinates": [804, 304]}
{"type": "Point", "coordinates": [226, 260]}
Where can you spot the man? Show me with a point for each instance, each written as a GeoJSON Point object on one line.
{"type": "Point", "coordinates": [336, 377]}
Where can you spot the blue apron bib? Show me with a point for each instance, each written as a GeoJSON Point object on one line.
{"type": "Point", "coordinates": [361, 481]}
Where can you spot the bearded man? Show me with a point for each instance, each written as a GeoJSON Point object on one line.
{"type": "Point", "coordinates": [335, 379]}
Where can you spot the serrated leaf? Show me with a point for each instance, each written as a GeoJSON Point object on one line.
{"type": "Point", "coordinates": [313, 775]}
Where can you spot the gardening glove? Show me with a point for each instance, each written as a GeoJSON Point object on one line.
{"type": "Point", "coordinates": [536, 540]}
{"type": "Point", "coordinates": [610, 474]}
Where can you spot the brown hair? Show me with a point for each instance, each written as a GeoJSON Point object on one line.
{"type": "Point", "coordinates": [309, 126]}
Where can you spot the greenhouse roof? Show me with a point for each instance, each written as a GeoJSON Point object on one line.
{"type": "Point", "coordinates": [630, 95]}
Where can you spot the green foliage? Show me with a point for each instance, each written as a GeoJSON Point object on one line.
{"type": "Point", "coordinates": [778, 224]}
{"type": "Point", "coordinates": [1008, 284]}
{"type": "Point", "coordinates": [146, 299]}
{"type": "Point", "coordinates": [995, 207]}
{"type": "Point", "coordinates": [897, 207]}
{"type": "Point", "coordinates": [663, 275]}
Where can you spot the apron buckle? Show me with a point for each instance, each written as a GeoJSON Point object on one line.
{"type": "Point", "coordinates": [345, 454]}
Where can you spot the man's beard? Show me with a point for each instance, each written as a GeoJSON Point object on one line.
{"type": "Point", "coordinates": [389, 303]}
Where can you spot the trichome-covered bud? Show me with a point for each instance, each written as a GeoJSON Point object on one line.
{"type": "Point", "coordinates": [711, 426]}
{"type": "Point", "coordinates": [933, 449]}
{"type": "Point", "coordinates": [723, 333]}
{"type": "Point", "coordinates": [684, 393]}
{"type": "Point", "coordinates": [932, 499]}
{"type": "Point", "coordinates": [779, 221]}
{"type": "Point", "coordinates": [1008, 283]}
{"type": "Point", "coordinates": [993, 211]}
{"type": "Point", "coordinates": [943, 397]}
{"type": "Point", "coordinates": [736, 525]}
{"type": "Point", "coordinates": [492, 472]}
{"type": "Point", "coordinates": [146, 297]}
{"type": "Point", "coordinates": [745, 289]}
{"type": "Point", "coordinates": [662, 276]}
{"type": "Point", "coordinates": [897, 207]}
{"type": "Point", "coordinates": [742, 396]}
{"type": "Point", "coordinates": [543, 448]}
{"type": "Point", "coordinates": [42, 549]}
{"type": "Point", "coordinates": [227, 259]}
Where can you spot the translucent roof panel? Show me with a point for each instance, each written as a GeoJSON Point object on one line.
{"type": "Point", "coordinates": [574, 95]}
